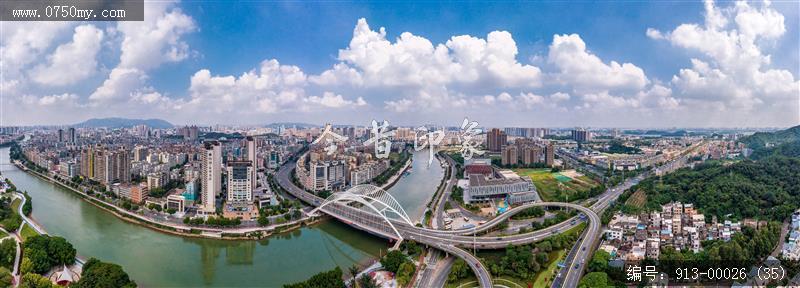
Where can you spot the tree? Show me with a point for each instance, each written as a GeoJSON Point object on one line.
{"type": "Point", "coordinates": [366, 282]}
{"type": "Point", "coordinates": [60, 251]}
{"type": "Point", "coordinates": [263, 221]}
{"type": "Point", "coordinates": [25, 266]}
{"type": "Point", "coordinates": [594, 280]}
{"type": "Point", "coordinates": [599, 262]}
{"type": "Point", "coordinates": [458, 271]}
{"type": "Point", "coordinates": [392, 260]}
{"type": "Point", "coordinates": [5, 278]}
{"type": "Point", "coordinates": [98, 274]}
{"type": "Point", "coordinates": [332, 278]}
{"type": "Point", "coordinates": [353, 272]}
{"type": "Point", "coordinates": [39, 260]}
{"type": "Point", "coordinates": [8, 251]}
{"type": "Point", "coordinates": [32, 280]}
{"type": "Point", "coordinates": [405, 272]}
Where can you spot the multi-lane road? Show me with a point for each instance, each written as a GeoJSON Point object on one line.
{"type": "Point", "coordinates": [450, 241]}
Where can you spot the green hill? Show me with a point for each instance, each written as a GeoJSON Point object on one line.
{"type": "Point", "coordinates": [761, 139]}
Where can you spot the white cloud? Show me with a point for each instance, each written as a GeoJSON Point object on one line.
{"type": "Point", "coordinates": [56, 99]}
{"type": "Point", "coordinates": [584, 71]}
{"type": "Point", "coordinates": [559, 96]}
{"type": "Point", "coordinates": [332, 100]}
{"type": "Point", "coordinates": [73, 61]}
{"type": "Point", "coordinates": [734, 71]}
{"type": "Point", "coordinates": [24, 42]}
{"type": "Point", "coordinates": [146, 45]}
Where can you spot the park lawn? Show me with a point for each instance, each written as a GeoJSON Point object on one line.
{"type": "Point", "coordinates": [510, 282]}
{"type": "Point", "coordinates": [460, 282]}
{"type": "Point", "coordinates": [543, 278]}
{"type": "Point", "coordinates": [3, 234]}
{"type": "Point", "coordinates": [547, 184]}
{"type": "Point", "coordinates": [27, 231]}
{"type": "Point", "coordinates": [15, 204]}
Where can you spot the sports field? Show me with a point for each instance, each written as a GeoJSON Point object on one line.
{"type": "Point", "coordinates": [559, 186]}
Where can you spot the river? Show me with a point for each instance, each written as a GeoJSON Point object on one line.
{"type": "Point", "coordinates": [155, 259]}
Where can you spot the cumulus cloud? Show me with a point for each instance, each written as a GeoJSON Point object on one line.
{"type": "Point", "coordinates": [73, 61]}
{"type": "Point", "coordinates": [585, 71]}
{"type": "Point", "coordinates": [734, 71]}
{"type": "Point", "coordinates": [146, 45]}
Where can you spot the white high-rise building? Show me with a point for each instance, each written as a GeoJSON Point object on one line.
{"type": "Point", "coordinates": [251, 156]}
{"type": "Point", "coordinates": [240, 181]}
{"type": "Point", "coordinates": [211, 179]}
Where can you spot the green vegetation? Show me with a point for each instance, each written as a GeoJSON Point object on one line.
{"type": "Point", "coordinates": [397, 161]}
{"type": "Point", "coordinates": [525, 262]}
{"type": "Point", "coordinates": [393, 260]}
{"type": "Point", "coordinates": [554, 186]}
{"type": "Point", "coordinates": [162, 191]}
{"type": "Point", "coordinates": [594, 279]}
{"type": "Point", "coordinates": [45, 252]}
{"type": "Point", "coordinates": [767, 189]}
{"type": "Point", "coordinates": [616, 147]}
{"type": "Point", "coordinates": [9, 218]}
{"type": "Point", "coordinates": [760, 139]}
{"type": "Point", "coordinates": [457, 194]}
{"type": "Point", "coordinates": [28, 207]}
{"type": "Point", "coordinates": [547, 274]}
{"type": "Point", "coordinates": [98, 274]}
{"type": "Point", "coordinates": [404, 273]}
{"type": "Point", "coordinates": [213, 221]}
{"type": "Point", "coordinates": [533, 212]}
{"type": "Point", "coordinates": [27, 232]}
{"type": "Point", "coordinates": [460, 270]}
{"type": "Point", "coordinates": [32, 280]}
{"type": "Point", "coordinates": [8, 251]}
{"type": "Point", "coordinates": [6, 278]}
{"type": "Point", "coordinates": [332, 278]}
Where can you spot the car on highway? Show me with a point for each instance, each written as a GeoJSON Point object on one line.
{"type": "Point", "coordinates": [498, 238]}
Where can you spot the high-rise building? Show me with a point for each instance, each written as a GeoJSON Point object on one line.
{"type": "Point", "coordinates": [140, 153]}
{"type": "Point", "coordinates": [549, 154]}
{"type": "Point", "coordinates": [71, 135]}
{"type": "Point", "coordinates": [240, 189]}
{"type": "Point", "coordinates": [190, 133]}
{"type": "Point", "coordinates": [581, 135]}
{"type": "Point", "coordinates": [509, 155]}
{"type": "Point", "coordinates": [251, 156]}
{"type": "Point", "coordinates": [531, 154]}
{"type": "Point", "coordinates": [211, 179]}
{"type": "Point", "coordinates": [60, 135]}
{"type": "Point", "coordinates": [87, 163]}
{"type": "Point", "coordinates": [495, 140]}
{"type": "Point", "coordinates": [99, 166]}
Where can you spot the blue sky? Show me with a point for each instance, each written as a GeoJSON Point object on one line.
{"type": "Point", "coordinates": [231, 39]}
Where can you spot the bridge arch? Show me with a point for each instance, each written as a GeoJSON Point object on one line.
{"type": "Point", "coordinates": [374, 198]}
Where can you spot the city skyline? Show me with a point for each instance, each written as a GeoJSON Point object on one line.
{"type": "Point", "coordinates": [714, 65]}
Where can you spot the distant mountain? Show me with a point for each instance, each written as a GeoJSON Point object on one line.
{"type": "Point", "coordinates": [761, 139]}
{"type": "Point", "coordinates": [123, 123]}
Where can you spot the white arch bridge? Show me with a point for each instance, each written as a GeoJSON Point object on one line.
{"type": "Point", "coordinates": [370, 199]}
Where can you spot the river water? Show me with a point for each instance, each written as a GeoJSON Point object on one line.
{"type": "Point", "coordinates": [156, 259]}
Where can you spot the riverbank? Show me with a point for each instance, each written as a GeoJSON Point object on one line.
{"type": "Point", "coordinates": [248, 233]}
{"type": "Point", "coordinates": [251, 233]}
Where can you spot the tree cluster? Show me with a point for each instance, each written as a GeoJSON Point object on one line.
{"type": "Point", "coordinates": [45, 252]}
{"type": "Point", "coordinates": [332, 278]}
{"type": "Point", "coordinates": [98, 274]}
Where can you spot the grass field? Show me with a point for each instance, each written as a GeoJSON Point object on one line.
{"type": "Point", "coordinates": [543, 279]}
{"type": "Point", "coordinates": [557, 186]}
{"type": "Point", "coordinates": [3, 234]}
{"type": "Point", "coordinates": [637, 199]}
{"type": "Point", "coordinates": [15, 204]}
{"type": "Point", "coordinates": [27, 231]}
